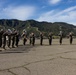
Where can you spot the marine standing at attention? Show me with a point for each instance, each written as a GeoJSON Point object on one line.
{"type": "Point", "coordinates": [41, 38]}
{"type": "Point", "coordinates": [33, 39]}
{"type": "Point", "coordinates": [1, 33]}
{"type": "Point", "coordinates": [24, 37]}
{"type": "Point", "coordinates": [71, 37]}
{"type": "Point", "coordinates": [50, 38]}
{"type": "Point", "coordinates": [61, 37]}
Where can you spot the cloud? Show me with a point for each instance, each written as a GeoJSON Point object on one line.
{"type": "Point", "coordinates": [54, 1]}
{"type": "Point", "coordinates": [68, 15]}
{"type": "Point", "coordinates": [18, 12]}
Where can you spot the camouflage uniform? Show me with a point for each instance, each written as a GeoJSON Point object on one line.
{"type": "Point", "coordinates": [41, 38]}
{"type": "Point", "coordinates": [1, 33]}
{"type": "Point", "coordinates": [4, 38]}
{"type": "Point", "coordinates": [50, 38]}
{"type": "Point", "coordinates": [33, 39]}
{"type": "Point", "coordinates": [17, 38]}
{"type": "Point", "coordinates": [71, 37]}
{"type": "Point", "coordinates": [24, 38]}
{"type": "Point", "coordinates": [9, 37]}
{"type": "Point", "coordinates": [61, 37]}
{"type": "Point", "coordinates": [13, 38]}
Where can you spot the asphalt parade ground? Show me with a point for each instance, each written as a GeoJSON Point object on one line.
{"type": "Point", "coordinates": [39, 60]}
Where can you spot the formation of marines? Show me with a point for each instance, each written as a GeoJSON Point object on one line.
{"type": "Point", "coordinates": [11, 38]}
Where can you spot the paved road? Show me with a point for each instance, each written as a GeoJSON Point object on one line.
{"type": "Point", "coordinates": [39, 60]}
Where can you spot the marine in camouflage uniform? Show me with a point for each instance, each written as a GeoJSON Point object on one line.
{"type": "Point", "coordinates": [50, 38]}
{"type": "Point", "coordinates": [1, 33]}
{"type": "Point", "coordinates": [41, 38]}
{"type": "Point", "coordinates": [13, 38]}
{"type": "Point", "coordinates": [24, 37]}
{"type": "Point", "coordinates": [33, 39]}
{"type": "Point", "coordinates": [71, 37]}
{"type": "Point", "coordinates": [9, 37]}
{"type": "Point", "coordinates": [61, 37]}
{"type": "Point", "coordinates": [17, 38]}
{"type": "Point", "coordinates": [4, 38]}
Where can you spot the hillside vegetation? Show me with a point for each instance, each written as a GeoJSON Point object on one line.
{"type": "Point", "coordinates": [37, 27]}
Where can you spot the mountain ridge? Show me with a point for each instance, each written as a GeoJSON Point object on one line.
{"type": "Point", "coordinates": [36, 26]}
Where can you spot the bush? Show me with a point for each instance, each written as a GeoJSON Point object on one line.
{"type": "Point", "coordinates": [55, 37]}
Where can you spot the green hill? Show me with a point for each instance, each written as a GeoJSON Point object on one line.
{"type": "Point", "coordinates": [36, 27]}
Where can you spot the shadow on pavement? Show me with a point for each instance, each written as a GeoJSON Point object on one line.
{"type": "Point", "coordinates": [20, 49]}
{"type": "Point", "coordinates": [26, 48]}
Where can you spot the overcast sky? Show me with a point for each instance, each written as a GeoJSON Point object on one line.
{"type": "Point", "coordinates": [40, 10]}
